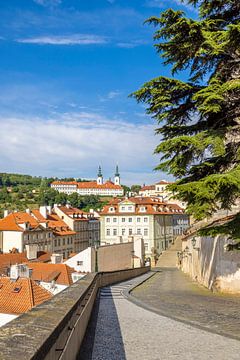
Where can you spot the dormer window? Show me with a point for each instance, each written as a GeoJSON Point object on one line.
{"type": "Point", "coordinates": [142, 209]}
{"type": "Point", "coordinates": [111, 209]}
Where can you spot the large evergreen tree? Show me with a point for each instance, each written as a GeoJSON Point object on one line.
{"type": "Point", "coordinates": [199, 119]}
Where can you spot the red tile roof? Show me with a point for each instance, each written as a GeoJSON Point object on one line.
{"type": "Point", "coordinates": [152, 205]}
{"type": "Point", "coordinates": [8, 259]}
{"type": "Point", "coordinates": [89, 184]}
{"type": "Point", "coordinates": [17, 297]}
{"type": "Point", "coordinates": [148, 187]}
{"type": "Point", "coordinates": [13, 221]}
{"type": "Point", "coordinates": [61, 273]}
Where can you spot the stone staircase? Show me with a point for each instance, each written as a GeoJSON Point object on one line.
{"type": "Point", "coordinates": [169, 256]}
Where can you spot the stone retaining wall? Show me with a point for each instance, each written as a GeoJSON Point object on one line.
{"type": "Point", "coordinates": [55, 329]}
{"type": "Point", "coordinates": [210, 264]}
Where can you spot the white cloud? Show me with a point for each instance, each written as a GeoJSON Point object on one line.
{"type": "Point", "coordinates": [73, 144]}
{"type": "Point", "coordinates": [131, 44]}
{"type": "Point", "coordinates": [168, 3]}
{"type": "Point", "coordinates": [48, 2]}
{"type": "Point", "coordinates": [74, 39]}
{"type": "Point", "coordinates": [111, 95]}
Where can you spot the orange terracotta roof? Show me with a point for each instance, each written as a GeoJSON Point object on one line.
{"type": "Point", "coordinates": [17, 297]}
{"type": "Point", "coordinates": [60, 228]}
{"type": "Point", "coordinates": [89, 184]}
{"type": "Point", "coordinates": [164, 182]}
{"type": "Point", "coordinates": [38, 215]}
{"type": "Point", "coordinates": [43, 271]}
{"type": "Point", "coordinates": [148, 187]}
{"type": "Point", "coordinates": [9, 224]}
{"type": "Point", "coordinates": [152, 205]}
{"type": "Point", "coordinates": [64, 183]}
{"type": "Point", "coordinates": [13, 221]}
{"type": "Point", "coordinates": [8, 259]}
{"type": "Point", "coordinates": [94, 185]}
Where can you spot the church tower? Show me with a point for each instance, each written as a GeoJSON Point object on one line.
{"type": "Point", "coordinates": [117, 177]}
{"type": "Point", "coordinates": [99, 177]}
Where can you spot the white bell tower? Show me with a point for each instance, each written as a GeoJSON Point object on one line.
{"type": "Point", "coordinates": [117, 177]}
{"type": "Point", "coordinates": [99, 177]}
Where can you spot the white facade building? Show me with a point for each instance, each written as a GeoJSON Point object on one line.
{"type": "Point", "coordinates": [160, 189]}
{"type": "Point", "coordinates": [97, 187]}
{"type": "Point", "coordinates": [147, 217]}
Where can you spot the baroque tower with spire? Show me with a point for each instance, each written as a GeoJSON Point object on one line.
{"type": "Point", "coordinates": [117, 177]}
{"type": "Point", "coordinates": [99, 177]}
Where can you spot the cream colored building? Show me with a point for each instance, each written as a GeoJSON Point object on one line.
{"type": "Point", "coordinates": [86, 226]}
{"type": "Point", "coordinates": [147, 217]}
{"type": "Point", "coordinates": [160, 189]}
{"type": "Point", "coordinates": [19, 229]}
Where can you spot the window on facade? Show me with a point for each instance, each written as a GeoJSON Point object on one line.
{"type": "Point", "coordinates": [138, 219]}
{"type": "Point", "coordinates": [129, 219]}
{"type": "Point", "coordinates": [130, 231]}
{"type": "Point", "coordinates": [146, 246]}
{"type": "Point", "coordinates": [123, 208]}
{"type": "Point", "coordinates": [145, 232]}
{"type": "Point", "coordinates": [114, 219]}
{"type": "Point", "coordinates": [59, 242]}
{"type": "Point", "coordinates": [55, 243]}
{"type": "Point", "coordinates": [63, 241]}
{"type": "Point", "coordinates": [108, 232]}
{"type": "Point", "coordinates": [115, 232]}
{"type": "Point", "coordinates": [107, 219]}
{"type": "Point", "coordinates": [79, 263]}
{"type": "Point", "coordinates": [129, 208]}
{"type": "Point", "coordinates": [123, 231]}
{"type": "Point", "coordinates": [138, 231]}
{"type": "Point", "coordinates": [145, 219]}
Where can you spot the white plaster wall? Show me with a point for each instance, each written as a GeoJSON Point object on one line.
{"type": "Point", "coordinates": [88, 259]}
{"type": "Point", "coordinates": [210, 265]}
{"type": "Point", "coordinates": [12, 239]}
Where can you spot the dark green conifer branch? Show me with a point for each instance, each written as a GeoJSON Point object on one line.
{"type": "Point", "coordinates": [199, 119]}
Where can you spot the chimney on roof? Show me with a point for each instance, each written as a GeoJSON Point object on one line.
{"type": "Point", "coordinates": [43, 211]}
{"type": "Point", "coordinates": [49, 209]}
{"type": "Point", "coordinates": [57, 258]}
{"type": "Point", "coordinates": [6, 213]}
{"type": "Point", "coordinates": [28, 211]}
{"type": "Point", "coordinates": [32, 251]}
{"type": "Point", "coordinates": [19, 270]}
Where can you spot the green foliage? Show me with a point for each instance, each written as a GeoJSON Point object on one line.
{"type": "Point", "coordinates": [135, 188]}
{"type": "Point", "coordinates": [229, 227]}
{"type": "Point", "coordinates": [199, 119]}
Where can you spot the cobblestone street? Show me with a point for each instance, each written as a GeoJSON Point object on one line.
{"type": "Point", "coordinates": [172, 293]}
{"type": "Point", "coordinates": [120, 330]}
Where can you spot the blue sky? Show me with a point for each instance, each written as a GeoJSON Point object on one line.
{"type": "Point", "coordinates": [66, 70]}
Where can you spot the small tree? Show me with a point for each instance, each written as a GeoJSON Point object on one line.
{"type": "Point", "coordinates": [199, 118]}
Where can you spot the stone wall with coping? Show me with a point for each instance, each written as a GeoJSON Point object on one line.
{"type": "Point", "coordinates": [55, 329]}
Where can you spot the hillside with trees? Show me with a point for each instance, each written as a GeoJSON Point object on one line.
{"type": "Point", "coordinates": [19, 192]}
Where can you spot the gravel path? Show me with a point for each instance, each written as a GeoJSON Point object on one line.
{"type": "Point", "coordinates": [121, 330]}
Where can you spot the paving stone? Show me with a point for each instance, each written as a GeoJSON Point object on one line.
{"type": "Point", "coordinates": [120, 330]}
